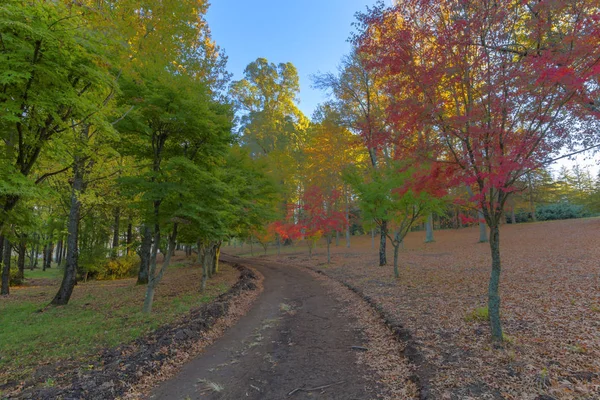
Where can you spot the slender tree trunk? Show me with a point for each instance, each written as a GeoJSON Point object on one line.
{"type": "Point", "coordinates": [144, 253]}
{"type": "Point", "coordinates": [6, 253]}
{"type": "Point", "coordinates": [154, 279]}
{"type": "Point", "coordinates": [22, 256]}
{"type": "Point", "coordinates": [337, 238]}
{"type": "Point", "coordinates": [129, 239]}
{"type": "Point", "coordinates": [37, 252]}
{"type": "Point", "coordinates": [44, 257]}
{"type": "Point", "coordinates": [493, 290]}
{"type": "Point", "coordinates": [531, 203]}
{"type": "Point", "coordinates": [65, 248]}
{"type": "Point", "coordinates": [429, 229]}
{"type": "Point", "coordinates": [70, 275]}
{"type": "Point", "coordinates": [50, 250]}
{"type": "Point", "coordinates": [382, 242]}
{"type": "Point", "coordinates": [115, 239]}
{"type": "Point", "coordinates": [202, 258]}
{"type": "Point", "coordinates": [58, 251]}
{"type": "Point", "coordinates": [482, 227]}
{"type": "Point", "coordinates": [396, 251]}
{"type": "Point", "coordinates": [31, 256]}
{"type": "Point", "coordinates": [513, 218]}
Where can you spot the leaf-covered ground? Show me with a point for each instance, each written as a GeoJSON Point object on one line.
{"type": "Point", "coordinates": [34, 338]}
{"type": "Point", "coordinates": [550, 307]}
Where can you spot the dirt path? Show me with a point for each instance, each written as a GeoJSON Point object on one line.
{"type": "Point", "coordinates": [294, 337]}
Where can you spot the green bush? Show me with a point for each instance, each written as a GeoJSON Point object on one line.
{"type": "Point", "coordinates": [563, 210]}
{"type": "Point", "coordinates": [15, 279]}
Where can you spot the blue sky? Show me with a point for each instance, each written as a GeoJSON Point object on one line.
{"type": "Point", "coordinates": [309, 33]}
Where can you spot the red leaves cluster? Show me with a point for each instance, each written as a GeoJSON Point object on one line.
{"type": "Point", "coordinates": [318, 212]}
{"type": "Point", "coordinates": [490, 87]}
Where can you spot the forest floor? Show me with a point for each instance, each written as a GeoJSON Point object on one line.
{"type": "Point", "coordinates": [35, 339]}
{"type": "Point", "coordinates": [550, 292]}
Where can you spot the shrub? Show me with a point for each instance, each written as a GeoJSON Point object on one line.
{"type": "Point", "coordinates": [15, 279]}
{"type": "Point", "coordinates": [118, 268]}
{"type": "Point", "coordinates": [562, 210]}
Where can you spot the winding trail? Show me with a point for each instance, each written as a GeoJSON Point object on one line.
{"type": "Point", "coordinates": [294, 337]}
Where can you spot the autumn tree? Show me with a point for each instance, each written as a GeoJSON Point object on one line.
{"type": "Point", "coordinates": [361, 104]}
{"type": "Point", "coordinates": [495, 80]}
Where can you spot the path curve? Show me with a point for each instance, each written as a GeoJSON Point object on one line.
{"type": "Point", "coordinates": [294, 337]}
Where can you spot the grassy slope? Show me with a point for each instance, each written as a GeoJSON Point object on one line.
{"type": "Point", "coordinates": [100, 314]}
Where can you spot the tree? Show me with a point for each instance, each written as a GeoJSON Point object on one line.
{"type": "Point", "coordinates": [54, 74]}
{"type": "Point", "coordinates": [494, 79]}
{"type": "Point", "coordinates": [361, 105]}
{"type": "Point", "coordinates": [395, 195]}
{"type": "Point", "coordinates": [319, 217]}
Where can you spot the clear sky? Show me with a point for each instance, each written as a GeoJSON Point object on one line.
{"type": "Point", "coordinates": [311, 34]}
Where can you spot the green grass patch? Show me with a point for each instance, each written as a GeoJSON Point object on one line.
{"type": "Point", "coordinates": [50, 273]}
{"type": "Point", "coordinates": [100, 315]}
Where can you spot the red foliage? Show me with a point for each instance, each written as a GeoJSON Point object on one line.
{"type": "Point", "coordinates": [318, 212]}
{"type": "Point", "coordinates": [491, 88]}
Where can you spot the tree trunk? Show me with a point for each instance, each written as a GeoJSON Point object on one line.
{"type": "Point", "coordinates": [203, 260]}
{"type": "Point", "coordinates": [115, 240]}
{"type": "Point", "coordinates": [37, 252]}
{"type": "Point", "coordinates": [382, 242]}
{"type": "Point", "coordinates": [129, 239]}
{"type": "Point", "coordinates": [531, 203]}
{"type": "Point", "coordinates": [44, 257]}
{"type": "Point", "coordinates": [154, 279]}
{"type": "Point", "coordinates": [337, 238]}
{"type": "Point", "coordinates": [396, 251]}
{"type": "Point", "coordinates": [513, 218]}
{"type": "Point", "coordinates": [50, 250]}
{"type": "Point", "coordinates": [429, 229]}
{"type": "Point", "coordinates": [31, 256]}
{"type": "Point", "coordinates": [328, 250]}
{"type": "Point", "coordinates": [6, 252]}
{"type": "Point", "coordinates": [493, 289]}
{"type": "Point", "coordinates": [482, 227]}
{"type": "Point", "coordinates": [144, 254]}
{"type": "Point", "coordinates": [22, 256]}
{"type": "Point", "coordinates": [70, 275]}
{"type": "Point", "coordinates": [58, 252]}
{"type": "Point", "coordinates": [63, 257]}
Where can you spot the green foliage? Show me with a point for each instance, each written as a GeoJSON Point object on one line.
{"type": "Point", "coordinates": [561, 210]}
{"type": "Point", "coordinates": [15, 279]}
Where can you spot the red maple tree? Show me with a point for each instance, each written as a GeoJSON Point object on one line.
{"type": "Point", "coordinates": [492, 87]}
{"type": "Point", "coordinates": [319, 216]}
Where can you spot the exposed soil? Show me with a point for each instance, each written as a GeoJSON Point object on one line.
{"type": "Point", "coordinates": [124, 370]}
{"type": "Point", "coordinates": [299, 342]}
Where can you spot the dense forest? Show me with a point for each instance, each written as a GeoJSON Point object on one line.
{"type": "Point", "coordinates": [124, 137]}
